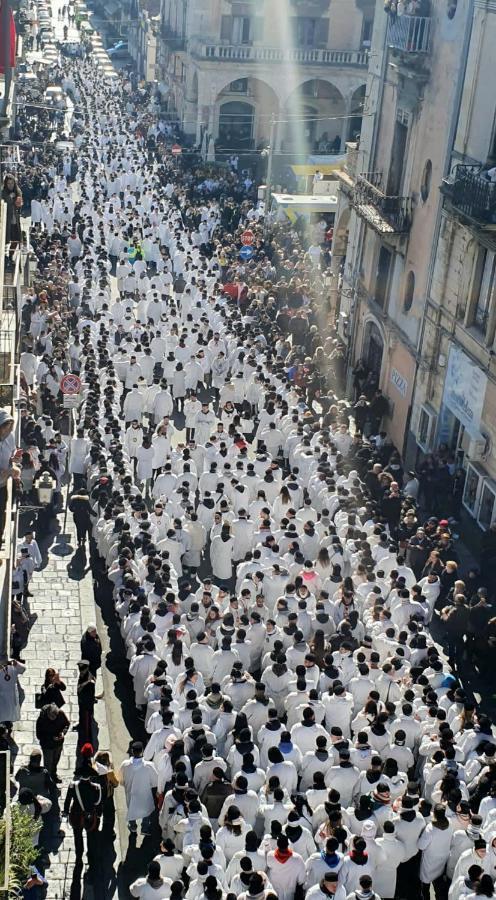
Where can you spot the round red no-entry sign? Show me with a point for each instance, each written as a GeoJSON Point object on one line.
{"type": "Point", "coordinates": [176, 149]}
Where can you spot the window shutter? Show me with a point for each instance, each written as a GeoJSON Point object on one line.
{"type": "Point", "coordinates": [257, 28]}
{"type": "Point", "coordinates": [321, 32]}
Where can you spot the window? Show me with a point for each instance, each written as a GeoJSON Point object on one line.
{"type": "Point", "coordinates": [409, 292]}
{"type": "Point", "coordinates": [398, 154]}
{"type": "Point", "coordinates": [472, 489]}
{"type": "Point", "coordinates": [425, 187]}
{"type": "Point", "coordinates": [305, 31]}
{"type": "Point", "coordinates": [426, 426]}
{"type": "Point", "coordinates": [240, 86]}
{"type": "Point", "coordinates": [487, 509]}
{"type": "Point", "coordinates": [451, 10]}
{"type": "Point", "coordinates": [382, 277]}
{"type": "Point", "coordinates": [241, 29]}
{"type": "Point", "coordinates": [482, 288]}
{"type": "Point", "coordinates": [366, 39]}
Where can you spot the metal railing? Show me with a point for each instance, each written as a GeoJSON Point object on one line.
{"type": "Point", "coordinates": [410, 34]}
{"type": "Point", "coordinates": [247, 53]}
{"type": "Point", "coordinates": [473, 194]}
{"type": "Point", "coordinates": [387, 214]}
{"type": "Point", "coordinates": [5, 813]}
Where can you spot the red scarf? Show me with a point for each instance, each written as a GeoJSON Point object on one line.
{"type": "Point", "coordinates": [282, 856]}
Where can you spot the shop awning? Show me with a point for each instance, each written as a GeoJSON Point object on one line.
{"type": "Point", "coordinates": [326, 168]}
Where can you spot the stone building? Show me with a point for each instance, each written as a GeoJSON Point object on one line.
{"type": "Point", "coordinates": [230, 66]}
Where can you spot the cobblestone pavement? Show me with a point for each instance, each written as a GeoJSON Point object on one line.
{"type": "Point", "coordinates": [64, 603]}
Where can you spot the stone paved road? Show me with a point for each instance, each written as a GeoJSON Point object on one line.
{"type": "Point", "coordinates": [64, 606]}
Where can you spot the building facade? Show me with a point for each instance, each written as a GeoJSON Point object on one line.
{"type": "Point", "coordinates": [143, 35]}
{"type": "Point", "coordinates": [390, 204]}
{"type": "Point", "coordinates": [455, 397]}
{"type": "Point", "coordinates": [414, 252]}
{"type": "Point", "coordinates": [231, 66]}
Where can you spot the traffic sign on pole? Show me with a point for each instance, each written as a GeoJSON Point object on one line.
{"type": "Point", "coordinates": [247, 238]}
{"type": "Point", "coordinates": [176, 149]}
{"type": "Point", "coordinates": [246, 252]}
{"type": "Point", "coordinates": [70, 384]}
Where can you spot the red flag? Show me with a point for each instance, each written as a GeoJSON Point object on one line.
{"type": "Point", "coordinates": [12, 40]}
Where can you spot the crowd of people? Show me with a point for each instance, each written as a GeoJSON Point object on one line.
{"type": "Point", "coordinates": [301, 734]}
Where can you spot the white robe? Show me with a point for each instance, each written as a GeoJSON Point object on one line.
{"type": "Point", "coordinates": [10, 709]}
{"type": "Point", "coordinates": [221, 554]}
{"type": "Point", "coordinates": [138, 777]}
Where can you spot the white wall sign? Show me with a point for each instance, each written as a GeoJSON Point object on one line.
{"type": "Point", "coordinates": [465, 390]}
{"type": "Point", "coordinates": [400, 383]}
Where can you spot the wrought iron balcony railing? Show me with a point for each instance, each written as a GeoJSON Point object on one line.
{"type": "Point", "coordinates": [410, 34]}
{"type": "Point", "coordinates": [385, 213]}
{"type": "Point", "coordinates": [474, 194]}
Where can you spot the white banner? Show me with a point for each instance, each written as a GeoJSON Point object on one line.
{"type": "Point", "coordinates": [465, 390]}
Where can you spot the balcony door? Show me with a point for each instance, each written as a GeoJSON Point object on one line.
{"type": "Point", "coordinates": [373, 350]}
{"type": "Point", "coordinates": [398, 155]}
{"type": "Point", "coordinates": [381, 292]}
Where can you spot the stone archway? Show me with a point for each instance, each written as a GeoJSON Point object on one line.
{"type": "Point", "coordinates": [373, 348]}
{"type": "Point", "coordinates": [236, 119]}
{"type": "Point", "coordinates": [243, 112]}
{"type": "Point", "coordinates": [314, 112]}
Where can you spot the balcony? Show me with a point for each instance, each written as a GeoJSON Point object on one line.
{"type": "Point", "coordinates": [388, 215]}
{"type": "Point", "coordinates": [174, 42]}
{"type": "Point", "coordinates": [473, 195]}
{"type": "Point", "coordinates": [410, 34]}
{"type": "Point", "coordinates": [304, 56]}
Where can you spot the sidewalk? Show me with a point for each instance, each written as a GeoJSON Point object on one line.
{"type": "Point", "coordinates": [64, 606]}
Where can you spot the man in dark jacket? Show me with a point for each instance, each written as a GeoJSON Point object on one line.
{"type": "Point", "coordinates": [83, 807]}
{"type": "Point", "coordinates": [82, 512]}
{"type": "Point", "coordinates": [51, 728]}
{"type": "Point", "coordinates": [35, 776]}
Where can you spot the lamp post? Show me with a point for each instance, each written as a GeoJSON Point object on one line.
{"type": "Point", "coordinates": [268, 180]}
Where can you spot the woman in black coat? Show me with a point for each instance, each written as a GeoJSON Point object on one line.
{"type": "Point", "coordinates": [91, 649]}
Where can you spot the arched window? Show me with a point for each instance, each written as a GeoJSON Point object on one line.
{"type": "Point", "coordinates": [425, 187]}
{"type": "Point", "coordinates": [409, 292]}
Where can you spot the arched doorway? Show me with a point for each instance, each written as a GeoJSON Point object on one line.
{"type": "Point", "coordinates": [356, 111]}
{"type": "Point", "coordinates": [373, 349]}
{"type": "Point", "coordinates": [235, 126]}
{"type": "Point", "coordinates": [313, 111]}
{"type": "Point", "coordinates": [245, 108]}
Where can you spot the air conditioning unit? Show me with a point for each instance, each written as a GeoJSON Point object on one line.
{"type": "Point", "coordinates": [477, 449]}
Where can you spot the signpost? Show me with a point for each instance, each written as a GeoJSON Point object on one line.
{"type": "Point", "coordinates": [176, 150]}
{"type": "Point", "coordinates": [246, 252]}
{"type": "Point", "coordinates": [247, 238]}
{"type": "Point", "coordinates": [70, 384]}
